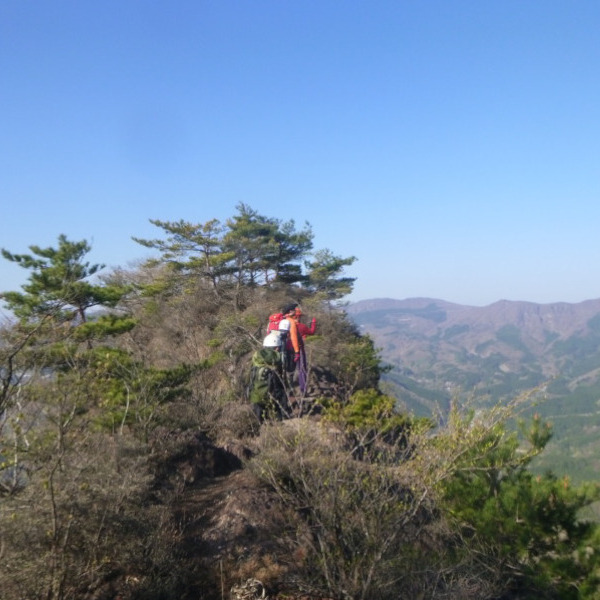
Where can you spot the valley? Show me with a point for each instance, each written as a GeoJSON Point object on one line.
{"type": "Point", "coordinates": [438, 352]}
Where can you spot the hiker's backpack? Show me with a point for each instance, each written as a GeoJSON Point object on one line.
{"type": "Point", "coordinates": [274, 320]}
{"type": "Point", "coordinates": [274, 337]}
{"type": "Point", "coordinates": [266, 385]}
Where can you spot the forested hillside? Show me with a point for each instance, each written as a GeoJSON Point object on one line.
{"type": "Point", "coordinates": [438, 349]}
{"type": "Point", "coordinates": [133, 464]}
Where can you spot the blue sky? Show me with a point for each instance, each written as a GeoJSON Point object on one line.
{"type": "Point", "coordinates": [452, 146]}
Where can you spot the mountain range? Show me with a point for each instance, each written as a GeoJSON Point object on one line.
{"type": "Point", "coordinates": [438, 351]}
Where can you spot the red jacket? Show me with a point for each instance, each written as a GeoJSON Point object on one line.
{"type": "Point", "coordinates": [305, 330]}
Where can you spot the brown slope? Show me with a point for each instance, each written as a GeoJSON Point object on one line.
{"type": "Point", "coordinates": [424, 335]}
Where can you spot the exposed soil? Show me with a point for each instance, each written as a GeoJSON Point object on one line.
{"type": "Point", "coordinates": [229, 524]}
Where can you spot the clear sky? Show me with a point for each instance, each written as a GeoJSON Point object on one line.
{"type": "Point", "coordinates": [452, 146]}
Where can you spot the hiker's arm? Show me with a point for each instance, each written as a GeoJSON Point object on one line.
{"type": "Point", "coordinates": [294, 337]}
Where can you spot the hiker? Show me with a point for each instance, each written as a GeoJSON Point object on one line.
{"type": "Point", "coordinates": [266, 390]}
{"type": "Point", "coordinates": [284, 335]}
{"type": "Point", "coordinates": [295, 343]}
{"type": "Point", "coordinates": [288, 326]}
{"type": "Point", "coordinates": [279, 333]}
{"type": "Point", "coordinates": [305, 330]}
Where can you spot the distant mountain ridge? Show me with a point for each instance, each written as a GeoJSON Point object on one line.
{"type": "Point", "coordinates": [438, 349]}
{"type": "Point", "coordinates": [561, 317]}
{"type": "Point", "coordinates": [417, 330]}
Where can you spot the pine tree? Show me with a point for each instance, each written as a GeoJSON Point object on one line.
{"type": "Point", "coordinates": [266, 250]}
{"type": "Point", "coordinates": [58, 284]}
{"type": "Point", "coordinates": [324, 275]}
{"type": "Point", "coordinates": [194, 249]}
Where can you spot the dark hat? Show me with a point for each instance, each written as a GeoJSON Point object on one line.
{"type": "Point", "coordinates": [288, 308]}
